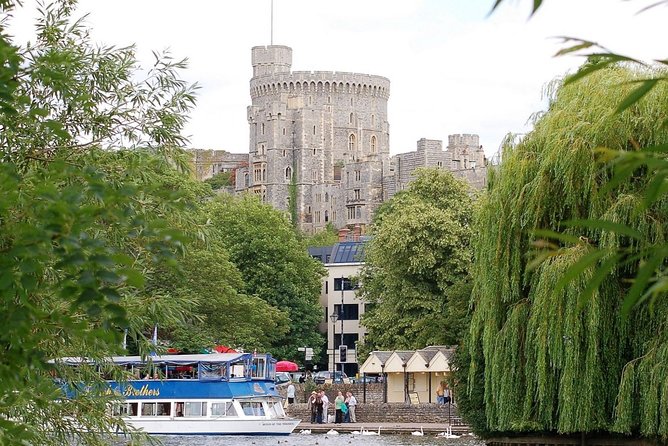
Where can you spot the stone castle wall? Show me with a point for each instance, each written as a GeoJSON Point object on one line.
{"type": "Point", "coordinates": [303, 125]}
{"type": "Point", "coordinates": [328, 132]}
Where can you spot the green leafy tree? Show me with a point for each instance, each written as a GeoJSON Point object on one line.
{"type": "Point", "coordinates": [416, 265]}
{"type": "Point", "coordinates": [328, 237]}
{"type": "Point", "coordinates": [220, 180]}
{"type": "Point", "coordinates": [551, 360]}
{"type": "Point", "coordinates": [80, 228]}
{"type": "Point", "coordinates": [222, 314]}
{"type": "Point", "coordinates": [275, 267]}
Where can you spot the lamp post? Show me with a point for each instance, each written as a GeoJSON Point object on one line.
{"type": "Point", "coordinates": [334, 317]}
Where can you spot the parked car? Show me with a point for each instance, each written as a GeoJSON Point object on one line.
{"type": "Point", "coordinates": [362, 379]}
{"type": "Point", "coordinates": [282, 378]}
{"type": "Point", "coordinates": [326, 377]}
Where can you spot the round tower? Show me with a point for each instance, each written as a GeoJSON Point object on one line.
{"type": "Point", "coordinates": [271, 59]}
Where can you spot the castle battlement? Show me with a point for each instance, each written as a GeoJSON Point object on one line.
{"type": "Point", "coordinates": [464, 139]}
{"type": "Point", "coordinates": [320, 82]}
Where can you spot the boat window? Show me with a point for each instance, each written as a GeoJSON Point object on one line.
{"type": "Point", "coordinates": [247, 408]}
{"type": "Point", "coordinates": [212, 372]}
{"type": "Point", "coordinates": [271, 411]}
{"type": "Point", "coordinates": [155, 409]}
{"type": "Point", "coordinates": [195, 409]}
{"type": "Point", "coordinates": [258, 409]}
{"type": "Point", "coordinates": [238, 371]}
{"type": "Point", "coordinates": [125, 409]}
{"type": "Point", "coordinates": [278, 408]}
{"type": "Point", "coordinates": [223, 409]}
{"type": "Point", "coordinates": [258, 367]}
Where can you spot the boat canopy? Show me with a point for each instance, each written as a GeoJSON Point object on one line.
{"type": "Point", "coordinates": [165, 359]}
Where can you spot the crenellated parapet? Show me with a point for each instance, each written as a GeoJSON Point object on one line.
{"type": "Point", "coordinates": [463, 140]}
{"type": "Point", "coordinates": [320, 83]}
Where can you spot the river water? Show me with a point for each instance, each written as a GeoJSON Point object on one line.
{"type": "Point", "coordinates": [319, 440]}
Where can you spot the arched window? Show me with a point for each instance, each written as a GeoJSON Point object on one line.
{"type": "Point", "coordinates": [326, 216]}
{"type": "Point", "coordinates": [351, 118]}
{"type": "Point", "coordinates": [373, 143]}
{"type": "Point", "coordinates": [351, 142]}
{"type": "Point", "coordinates": [326, 197]}
{"type": "Point", "coordinates": [288, 173]}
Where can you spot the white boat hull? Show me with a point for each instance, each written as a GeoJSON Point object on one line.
{"type": "Point", "coordinates": [182, 426]}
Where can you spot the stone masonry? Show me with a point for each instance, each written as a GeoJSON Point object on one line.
{"type": "Point", "coordinates": [325, 136]}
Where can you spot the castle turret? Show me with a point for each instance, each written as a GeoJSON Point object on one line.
{"type": "Point", "coordinates": [272, 59]}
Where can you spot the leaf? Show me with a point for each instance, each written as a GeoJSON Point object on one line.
{"type": "Point", "coordinates": [583, 44]}
{"type": "Point", "coordinates": [548, 233]}
{"type": "Point", "coordinates": [636, 94]}
{"type": "Point", "coordinates": [579, 267]}
{"type": "Point", "coordinates": [132, 277]}
{"type": "Point", "coordinates": [605, 225]}
{"type": "Point", "coordinates": [595, 281]}
{"type": "Point", "coordinates": [655, 189]}
{"type": "Point", "coordinates": [645, 273]}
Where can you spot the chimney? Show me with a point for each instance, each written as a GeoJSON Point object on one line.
{"type": "Point", "coordinates": [343, 234]}
{"type": "Point", "coordinates": [357, 232]}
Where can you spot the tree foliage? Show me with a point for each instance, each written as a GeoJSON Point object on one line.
{"type": "Point", "coordinates": [220, 180]}
{"type": "Point", "coordinates": [81, 228]}
{"type": "Point", "coordinates": [551, 361]}
{"type": "Point", "coordinates": [327, 237]}
{"type": "Point", "coordinates": [275, 267]}
{"type": "Point", "coordinates": [416, 265]}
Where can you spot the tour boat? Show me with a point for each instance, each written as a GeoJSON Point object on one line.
{"type": "Point", "coordinates": [207, 394]}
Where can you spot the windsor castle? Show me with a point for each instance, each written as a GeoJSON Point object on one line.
{"type": "Point", "coordinates": [320, 144]}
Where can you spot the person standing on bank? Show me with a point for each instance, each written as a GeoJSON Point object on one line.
{"type": "Point", "coordinates": [447, 394]}
{"type": "Point", "coordinates": [291, 394]}
{"type": "Point", "coordinates": [351, 402]}
{"type": "Point", "coordinates": [339, 402]}
{"type": "Point", "coordinates": [440, 393]}
{"type": "Point", "coordinates": [311, 405]}
{"type": "Point", "coordinates": [318, 409]}
{"type": "Point", "coordinates": [325, 406]}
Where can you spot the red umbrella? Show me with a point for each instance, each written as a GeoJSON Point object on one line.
{"type": "Point", "coordinates": [286, 366]}
{"type": "Point", "coordinates": [223, 349]}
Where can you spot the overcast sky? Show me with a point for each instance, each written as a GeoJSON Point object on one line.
{"type": "Point", "coordinates": [452, 68]}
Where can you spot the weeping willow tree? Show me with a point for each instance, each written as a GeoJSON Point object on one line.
{"type": "Point", "coordinates": [546, 359]}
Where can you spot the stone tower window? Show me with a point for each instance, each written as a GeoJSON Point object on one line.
{"type": "Point", "coordinates": [314, 130]}
{"type": "Point", "coordinates": [262, 128]}
{"type": "Point", "coordinates": [326, 216]}
{"type": "Point", "coordinates": [373, 119]}
{"type": "Point", "coordinates": [329, 99]}
{"type": "Point", "coordinates": [326, 197]}
{"type": "Point", "coordinates": [351, 118]}
{"type": "Point", "coordinates": [351, 101]}
{"type": "Point", "coordinates": [373, 143]}
{"type": "Point", "coordinates": [284, 130]}
{"type": "Point", "coordinates": [288, 173]}
{"type": "Point", "coordinates": [315, 152]}
{"type": "Point", "coordinates": [351, 141]}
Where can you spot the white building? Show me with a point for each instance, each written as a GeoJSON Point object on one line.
{"type": "Point", "coordinates": [342, 308]}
